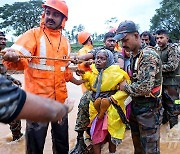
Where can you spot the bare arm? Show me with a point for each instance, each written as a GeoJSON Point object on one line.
{"type": "Point", "coordinates": [77, 82]}
{"type": "Point", "coordinates": [37, 108]}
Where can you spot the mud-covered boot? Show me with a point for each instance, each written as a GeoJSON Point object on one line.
{"type": "Point", "coordinates": [173, 121]}
{"type": "Point", "coordinates": [15, 127]}
{"type": "Point", "coordinates": [80, 147]}
{"type": "Point", "coordinates": [165, 118]}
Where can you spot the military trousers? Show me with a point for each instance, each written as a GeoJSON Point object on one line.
{"type": "Point", "coordinates": [145, 121]}
{"type": "Point", "coordinates": [82, 120]}
{"type": "Point", "coordinates": [170, 94]}
{"type": "Point", "coordinates": [36, 136]}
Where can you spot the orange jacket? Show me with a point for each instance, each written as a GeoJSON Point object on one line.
{"type": "Point", "coordinates": [117, 47]}
{"type": "Point", "coordinates": [44, 77]}
{"type": "Point", "coordinates": [84, 50]}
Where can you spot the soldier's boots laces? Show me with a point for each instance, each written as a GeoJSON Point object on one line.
{"type": "Point", "coordinates": [80, 147]}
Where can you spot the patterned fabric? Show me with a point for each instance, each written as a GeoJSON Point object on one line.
{"type": "Point", "coordinates": [147, 72]}
{"type": "Point", "coordinates": [12, 100]}
{"type": "Point", "coordinates": [82, 120]}
{"type": "Point", "coordinates": [170, 57]}
{"type": "Point", "coordinates": [146, 112]}
{"type": "Point", "coordinates": [145, 128]}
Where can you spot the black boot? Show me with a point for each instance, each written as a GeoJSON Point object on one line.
{"type": "Point", "coordinates": [164, 120]}
{"type": "Point", "coordinates": [15, 127]}
{"type": "Point", "coordinates": [173, 121]}
{"type": "Point", "coordinates": [80, 147]}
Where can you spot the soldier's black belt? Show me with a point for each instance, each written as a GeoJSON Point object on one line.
{"type": "Point", "coordinates": [146, 101]}
{"type": "Point", "coordinates": [143, 99]}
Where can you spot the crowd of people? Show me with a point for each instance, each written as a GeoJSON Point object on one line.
{"type": "Point", "coordinates": [135, 86]}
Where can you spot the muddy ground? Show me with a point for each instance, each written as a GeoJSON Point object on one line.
{"type": "Point", "coordinates": [168, 144]}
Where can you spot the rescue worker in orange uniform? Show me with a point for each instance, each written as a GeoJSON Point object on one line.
{"type": "Point", "coordinates": [45, 77]}
{"type": "Point", "coordinates": [84, 38]}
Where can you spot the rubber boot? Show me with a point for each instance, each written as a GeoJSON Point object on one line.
{"type": "Point", "coordinates": [173, 121]}
{"type": "Point", "coordinates": [15, 127]}
{"type": "Point", "coordinates": [80, 146]}
{"type": "Point", "coordinates": [165, 118]}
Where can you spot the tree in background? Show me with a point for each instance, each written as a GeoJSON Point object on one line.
{"type": "Point", "coordinates": [168, 17]}
{"type": "Point", "coordinates": [21, 16]}
{"type": "Point", "coordinates": [111, 23]}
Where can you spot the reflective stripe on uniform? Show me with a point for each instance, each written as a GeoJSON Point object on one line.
{"type": "Point", "coordinates": [42, 50]}
{"type": "Point", "coordinates": [69, 48]}
{"type": "Point", "coordinates": [20, 48]}
{"type": "Point", "coordinates": [41, 67]}
{"type": "Point", "coordinates": [177, 101]}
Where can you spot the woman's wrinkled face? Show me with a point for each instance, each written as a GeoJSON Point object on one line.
{"type": "Point", "coordinates": [100, 60]}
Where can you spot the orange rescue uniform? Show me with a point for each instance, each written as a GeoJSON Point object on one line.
{"type": "Point", "coordinates": [44, 77]}
{"type": "Point", "coordinates": [84, 50]}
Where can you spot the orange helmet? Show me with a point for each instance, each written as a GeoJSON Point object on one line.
{"type": "Point", "coordinates": [83, 36]}
{"type": "Point", "coordinates": [113, 30]}
{"type": "Point", "coordinates": [59, 5]}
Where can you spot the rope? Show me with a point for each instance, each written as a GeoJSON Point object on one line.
{"type": "Point", "coordinates": [48, 58]}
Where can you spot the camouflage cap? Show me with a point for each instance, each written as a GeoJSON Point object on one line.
{"type": "Point", "coordinates": [124, 28]}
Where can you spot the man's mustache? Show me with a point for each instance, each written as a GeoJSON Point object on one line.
{"type": "Point", "coordinates": [51, 21]}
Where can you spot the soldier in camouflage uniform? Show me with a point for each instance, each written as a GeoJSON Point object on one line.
{"type": "Point", "coordinates": [82, 120]}
{"type": "Point", "coordinates": [171, 77]}
{"type": "Point", "coordinates": [15, 126]}
{"type": "Point", "coordinates": [145, 89]}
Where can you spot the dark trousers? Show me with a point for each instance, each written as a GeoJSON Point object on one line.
{"type": "Point", "coordinates": [36, 135]}
{"type": "Point", "coordinates": [145, 128]}
{"type": "Point", "coordinates": [169, 95]}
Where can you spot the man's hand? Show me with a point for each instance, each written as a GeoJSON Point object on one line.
{"type": "Point", "coordinates": [88, 63]}
{"type": "Point", "coordinates": [80, 72]}
{"type": "Point", "coordinates": [10, 55]}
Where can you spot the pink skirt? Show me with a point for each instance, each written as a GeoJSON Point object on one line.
{"type": "Point", "coordinates": [99, 130]}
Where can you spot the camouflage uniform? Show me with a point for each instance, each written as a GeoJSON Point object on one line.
{"type": "Point", "coordinates": [15, 126]}
{"type": "Point", "coordinates": [146, 114]}
{"type": "Point", "coordinates": [170, 57]}
{"type": "Point", "coordinates": [12, 98]}
{"type": "Point", "coordinates": [82, 120]}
